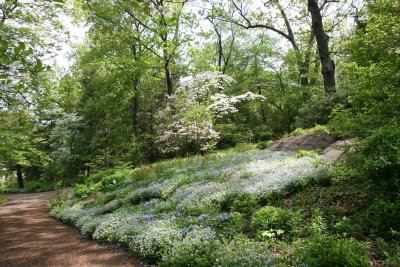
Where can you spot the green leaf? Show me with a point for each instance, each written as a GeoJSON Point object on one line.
{"type": "Point", "coordinates": [4, 45]}
{"type": "Point", "coordinates": [21, 47]}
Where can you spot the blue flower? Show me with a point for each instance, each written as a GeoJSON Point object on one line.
{"type": "Point", "coordinates": [201, 217]}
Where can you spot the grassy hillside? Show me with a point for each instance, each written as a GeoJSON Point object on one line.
{"type": "Point", "coordinates": [233, 208]}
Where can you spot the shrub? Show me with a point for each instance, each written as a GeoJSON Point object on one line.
{"type": "Point", "coordinates": [109, 183]}
{"type": "Point", "coordinates": [96, 177]}
{"type": "Point", "coordinates": [242, 202]}
{"type": "Point", "coordinates": [83, 190]}
{"type": "Point", "coordinates": [316, 110]}
{"type": "Point", "coordinates": [381, 218]}
{"type": "Point", "coordinates": [270, 222]}
{"type": "Point", "coordinates": [39, 186]}
{"type": "Point", "coordinates": [381, 156]}
{"type": "Point", "coordinates": [316, 129]}
{"type": "Point", "coordinates": [306, 153]}
{"type": "Point", "coordinates": [264, 145]}
{"type": "Point", "coordinates": [328, 251]}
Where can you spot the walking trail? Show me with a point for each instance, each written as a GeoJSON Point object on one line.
{"type": "Point", "coordinates": [29, 237]}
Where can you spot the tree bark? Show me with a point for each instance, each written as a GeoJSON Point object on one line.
{"type": "Point", "coordinates": [135, 106]}
{"type": "Point", "coordinates": [19, 176]}
{"type": "Point", "coordinates": [168, 77]}
{"type": "Point", "coordinates": [327, 64]}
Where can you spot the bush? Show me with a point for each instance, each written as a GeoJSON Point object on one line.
{"type": "Point", "coordinates": [316, 129]}
{"type": "Point", "coordinates": [39, 186]}
{"type": "Point", "coordinates": [232, 134]}
{"type": "Point", "coordinates": [83, 190]}
{"type": "Point", "coordinates": [264, 145]}
{"type": "Point", "coordinates": [242, 202]}
{"type": "Point", "coordinates": [306, 153]}
{"type": "Point", "coordinates": [110, 182]}
{"type": "Point", "coordinates": [382, 218]}
{"type": "Point", "coordinates": [327, 251]}
{"type": "Point", "coordinates": [316, 110]}
{"type": "Point", "coordinates": [271, 222]}
{"type": "Point", "coordinates": [381, 156]}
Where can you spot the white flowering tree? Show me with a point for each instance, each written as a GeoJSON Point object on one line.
{"type": "Point", "coordinates": [187, 123]}
{"type": "Point", "coordinates": [185, 128]}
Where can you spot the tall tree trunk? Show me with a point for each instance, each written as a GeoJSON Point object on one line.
{"type": "Point", "coordinates": [19, 176]}
{"type": "Point", "coordinates": [168, 77]}
{"type": "Point", "coordinates": [327, 64]}
{"type": "Point", "coordinates": [135, 106]}
{"type": "Point", "coordinates": [305, 65]}
{"type": "Point", "coordinates": [262, 107]}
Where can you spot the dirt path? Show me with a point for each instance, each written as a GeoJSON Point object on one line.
{"type": "Point", "coordinates": [29, 237]}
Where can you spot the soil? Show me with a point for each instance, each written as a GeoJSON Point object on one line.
{"type": "Point", "coordinates": [30, 237]}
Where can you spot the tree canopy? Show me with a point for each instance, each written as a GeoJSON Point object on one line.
{"type": "Point", "coordinates": [158, 79]}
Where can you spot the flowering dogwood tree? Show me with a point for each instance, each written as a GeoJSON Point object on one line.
{"type": "Point", "coordinates": [184, 128]}
{"type": "Point", "coordinates": [187, 122]}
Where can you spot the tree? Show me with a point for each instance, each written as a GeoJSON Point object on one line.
{"type": "Point", "coordinates": [187, 124]}
{"type": "Point", "coordinates": [371, 70]}
{"type": "Point", "coordinates": [327, 64]}
{"type": "Point", "coordinates": [23, 39]}
{"type": "Point", "coordinates": [157, 28]}
{"type": "Point", "coordinates": [19, 145]}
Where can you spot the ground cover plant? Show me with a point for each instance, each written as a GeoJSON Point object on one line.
{"type": "Point", "coordinates": [222, 209]}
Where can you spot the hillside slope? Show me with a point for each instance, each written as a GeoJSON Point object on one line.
{"type": "Point", "coordinates": [215, 210]}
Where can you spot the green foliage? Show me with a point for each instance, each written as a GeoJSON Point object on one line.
{"type": "Point", "coordinates": [324, 251]}
{"type": "Point", "coordinates": [316, 129]}
{"type": "Point", "coordinates": [381, 155]}
{"type": "Point", "coordinates": [272, 222]}
{"type": "Point", "coordinates": [233, 134]}
{"type": "Point", "coordinates": [391, 251]}
{"type": "Point", "coordinates": [317, 225]}
{"type": "Point", "coordinates": [39, 186]}
{"type": "Point", "coordinates": [264, 145]}
{"type": "Point", "coordinates": [109, 182]}
{"type": "Point", "coordinates": [20, 143]}
{"type": "Point", "coordinates": [322, 178]}
{"type": "Point", "coordinates": [242, 202]}
{"type": "Point", "coordinates": [372, 74]}
{"type": "Point", "coordinates": [382, 218]}
{"type": "Point", "coordinates": [83, 190]}
{"type": "Point", "coordinates": [194, 250]}
{"type": "Point", "coordinates": [306, 153]}
{"type": "Point", "coordinates": [30, 186]}
{"type": "Point", "coordinates": [315, 111]}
